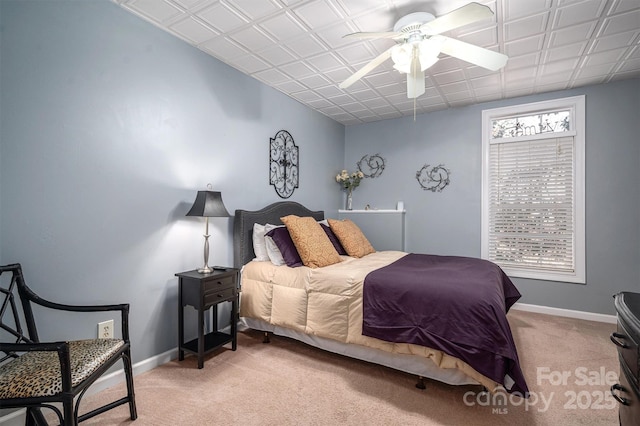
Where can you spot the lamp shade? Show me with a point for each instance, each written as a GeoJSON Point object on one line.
{"type": "Point", "coordinates": [208, 204]}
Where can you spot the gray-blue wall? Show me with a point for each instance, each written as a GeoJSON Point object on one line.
{"type": "Point", "coordinates": [448, 222]}
{"type": "Point", "coordinates": [109, 127]}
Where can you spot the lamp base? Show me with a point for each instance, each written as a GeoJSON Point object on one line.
{"type": "Point", "coordinates": [205, 270]}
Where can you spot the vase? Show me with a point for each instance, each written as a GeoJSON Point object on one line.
{"type": "Point", "coordinates": [349, 202]}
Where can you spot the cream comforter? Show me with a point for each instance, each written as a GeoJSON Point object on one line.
{"type": "Point", "coordinates": [327, 302]}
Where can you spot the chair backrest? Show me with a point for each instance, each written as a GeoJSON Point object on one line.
{"type": "Point", "coordinates": [15, 317]}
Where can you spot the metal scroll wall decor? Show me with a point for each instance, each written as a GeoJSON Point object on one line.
{"type": "Point", "coordinates": [433, 178]}
{"type": "Point", "coordinates": [371, 166]}
{"type": "Point", "coordinates": [283, 164]}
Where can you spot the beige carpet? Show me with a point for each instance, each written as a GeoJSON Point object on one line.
{"type": "Point", "coordinates": [289, 383]}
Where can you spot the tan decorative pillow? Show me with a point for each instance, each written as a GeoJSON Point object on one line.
{"type": "Point", "coordinates": [313, 245]}
{"type": "Point", "coordinates": [351, 237]}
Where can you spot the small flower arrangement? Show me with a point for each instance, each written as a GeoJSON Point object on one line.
{"type": "Point", "coordinates": [349, 181]}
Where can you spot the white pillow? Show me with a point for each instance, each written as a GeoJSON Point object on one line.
{"type": "Point", "coordinates": [259, 244]}
{"type": "Point", "coordinates": [272, 249]}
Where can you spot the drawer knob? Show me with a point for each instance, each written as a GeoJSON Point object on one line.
{"type": "Point", "coordinates": [621, 400]}
{"type": "Point", "coordinates": [614, 338]}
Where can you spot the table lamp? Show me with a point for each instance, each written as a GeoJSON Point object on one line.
{"type": "Point", "coordinates": [208, 204]}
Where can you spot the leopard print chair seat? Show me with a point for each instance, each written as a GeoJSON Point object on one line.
{"type": "Point", "coordinates": [38, 373]}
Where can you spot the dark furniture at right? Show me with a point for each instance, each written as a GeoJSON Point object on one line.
{"type": "Point", "coordinates": [627, 340]}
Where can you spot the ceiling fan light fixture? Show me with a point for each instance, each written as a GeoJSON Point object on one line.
{"type": "Point", "coordinates": [429, 50]}
{"type": "Point", "coordinates": [427, 61]}
{"type": "Point", "coordinates": [401, 56]}
{"type": "Point", "coordinates": [403, 68]}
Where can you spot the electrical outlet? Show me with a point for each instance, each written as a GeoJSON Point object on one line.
{"type": "Point", "coordinates": [105, 330]}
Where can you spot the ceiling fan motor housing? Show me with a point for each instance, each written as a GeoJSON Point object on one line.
{"type": "Point", "coordinates": [415, 43]}
{"type": "Point", "coordinates": [412, 22]}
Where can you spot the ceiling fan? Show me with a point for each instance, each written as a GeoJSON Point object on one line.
{"type": "Point", "coordinates": [419, 42]}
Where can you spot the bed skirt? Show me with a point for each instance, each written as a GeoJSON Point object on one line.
{"type": "Point", "coordinates": [416, 365]}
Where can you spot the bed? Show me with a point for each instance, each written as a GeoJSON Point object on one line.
{"type": "Point", "coordinates": [332, 308]}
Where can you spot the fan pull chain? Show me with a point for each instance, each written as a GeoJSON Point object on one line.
{"type": "Point", "coordinates": [414, 64]}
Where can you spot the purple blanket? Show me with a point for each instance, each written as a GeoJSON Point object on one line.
{"type": "Point", "coordinates": [454, 304]}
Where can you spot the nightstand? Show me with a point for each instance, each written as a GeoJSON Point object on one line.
{"type": "Point", "coordinates": [204, 291]}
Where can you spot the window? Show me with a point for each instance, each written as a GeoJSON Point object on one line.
{"type": "Point", "coordinates": [533, 189]}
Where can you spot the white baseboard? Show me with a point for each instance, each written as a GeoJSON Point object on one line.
{"type": "Point", "coordinates": [589, 316]}
{"type": "Point", "coordinates": [13, 417]}
{"type": "Point", "coordinates": [112, 379]}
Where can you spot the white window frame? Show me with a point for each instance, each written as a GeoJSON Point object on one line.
{"type": "Point", "coordinates": [576, 105]}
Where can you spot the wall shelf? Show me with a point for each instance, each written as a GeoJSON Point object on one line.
{"type": "Point", "coordinates": [385, 211]}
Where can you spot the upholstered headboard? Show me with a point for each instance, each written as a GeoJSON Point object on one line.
{"type": "Point", "coordinates": [244, 220]}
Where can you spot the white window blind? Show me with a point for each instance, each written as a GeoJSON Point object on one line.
{"type": "Point", "coordinates": [533, 189]}
{"type": "Point", "coordinates": [531, 204]}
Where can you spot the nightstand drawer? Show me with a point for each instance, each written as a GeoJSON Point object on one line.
{"type": "Point", "coordinates": [211, 297]}
{"type": "Point", "coordinates": [219, 284]}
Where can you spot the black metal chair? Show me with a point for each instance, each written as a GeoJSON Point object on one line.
{"type": "Point", "coordinates": [38, 375]}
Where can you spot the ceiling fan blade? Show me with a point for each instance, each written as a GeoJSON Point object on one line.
{"type": "Point", "coordinates": [390, 34]}
{"type": "Point", "coordinates": [366, 69]}
{"type": "Point", "coordinates": [464, 15]}
{"type": "Point", "coordinates": [476, 55]}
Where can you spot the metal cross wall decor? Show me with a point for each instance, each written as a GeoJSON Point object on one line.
{"type": "Point", "coordinates": [283, 164]}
